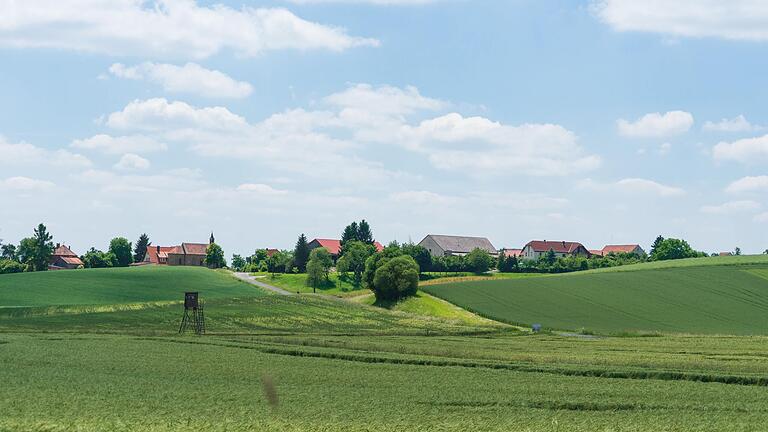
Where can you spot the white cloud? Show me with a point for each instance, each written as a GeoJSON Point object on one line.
{"type": "Point", "coordinates": [422, 197]}
{"type": "Point", "coordinates": [24, 184]}
{"type": "Point", "coordinates": [190, 78]}
{"type": "Point", "coordinates": [655, 125]}
{"type": "Point", "coordinates": [634, 186]}
{"type": "Point", "coordinates": [28, 154]}
{"type": "Point", "coordinates": [744, 150]}
{"type": "Point", "coordinates": [733, 19]}
{"type": "Point", "coordinates": [665, 148]}
{"type": "Point", "coordinates": [120, 144]}
{"type": "Point", "coordinates": [260, 189]}
{"type": "Point", "coordinates": [163, 28]}
{"type": "Point", "coordinates": [748, 184]}
{"type": "Point", "coordinates": [131, 161]}
{"type": "Point", "coordinates": [731, 207]}
{"type": "Point", "coordinates": [358, 119]}
{"type": "Point", "coordinates": [736, 124]}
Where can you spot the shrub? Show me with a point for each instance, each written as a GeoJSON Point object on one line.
{"type": "Point", "coordinates": [478, 261]}
{"type": "Point", "coordinates": [10, 266]}
{"type": "Point", "coordinates": [398, 277]}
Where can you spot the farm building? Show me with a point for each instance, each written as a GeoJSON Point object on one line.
{"type": "Point", "coordinates": [629, 249]}
{"type": "Point", "coordinates": [64, 259]}
{"type": "Point", "coordinates": [445, 245]}
{"type": "Point", "coordinates": [536, 248]}
{"type": "Point", "coordinates": [511, 252]}
{"type": "Point", "coordinates": [334, 246]}
{"type": "Point", "coordinates": [186, 254]}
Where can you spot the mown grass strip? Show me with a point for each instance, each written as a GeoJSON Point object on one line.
{"type": "Point", "coordinates": [422, 361]}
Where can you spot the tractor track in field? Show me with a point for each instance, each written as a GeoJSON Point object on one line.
{"type": "Point", "coordinates": [255, 281]}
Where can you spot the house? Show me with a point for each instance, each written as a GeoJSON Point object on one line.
{"type": "Point", "coordinates": [628, 249]}
{"type": "Point", "coordinates": [334, 246]}
{"type": "Point", "coordinates": [511, 252]}
{"type": "Point", "coordinates": [596, 252]}
{"type": "Point", "coordinates": [64, 259]}
{"type": "Point", "coordinates": [725, 254]}
{"type": "Point", "coordinates": [536, 248]}
{"type": "Point", "coordinates": [445, 245]}
{"type": "Point", "coordinates": [186, 254]}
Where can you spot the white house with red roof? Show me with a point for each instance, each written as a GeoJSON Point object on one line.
{"type": "Point", "coordinates": [536, 248]}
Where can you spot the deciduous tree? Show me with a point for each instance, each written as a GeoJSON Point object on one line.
{"type": "Point", "coordinates": [214, 256]}
{"type": "Point", "coordinates": [120, 247]}
{"type": "Point", "coordinates": [398, 277]}
{"type": "Point", "coordinates": [478, 261]}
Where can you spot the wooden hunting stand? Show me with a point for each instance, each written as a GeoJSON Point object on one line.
{"type": "Point", "coordinates": [196, 318]}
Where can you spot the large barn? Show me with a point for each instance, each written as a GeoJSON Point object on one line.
{"type": "Point", "coordinates": [447, 245]}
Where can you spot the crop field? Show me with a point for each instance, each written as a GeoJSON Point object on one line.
{"type": "Point", "coordinates": [309, 363]}
{"type": "Point", "coordinates": [712, 299]}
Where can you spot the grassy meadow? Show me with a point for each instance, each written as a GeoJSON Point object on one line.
{"type": "Point", "coordinates": [726, 295]}
{"type": "Point", "coordinates": [113, 361]}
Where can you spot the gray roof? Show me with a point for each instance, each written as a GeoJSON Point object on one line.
{"type": "Point", "coordinates": [462, 244]}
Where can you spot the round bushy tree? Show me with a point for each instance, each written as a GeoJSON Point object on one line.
{"type": "Point", "coordinates": [120, 247]}
{"type": "Point", "coordinates": [397, 278]}
{"type": "Point", "coordinates": [478, 261]}
{"type": "Point", "coordinates": [214, 256]}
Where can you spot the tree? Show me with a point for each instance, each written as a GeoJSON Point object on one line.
{"type": "Point", "coordinates": [398, 277]}
{"type": "Point", "coordinates": [737, 251]}
{"type": "Point", "coordinates": [238, 262]}
{"type": "Point", "coordinates": [140, 251]}
{"type": "Point", "coordinates": [95, 258]}
{"type": "Point", "coordinates": [420, 254]}
{"type": "Point", "coordinates": [478, 261]}
{"type": "Point", "coordinates": [120, 247]}
{"type": "Point", "coordinates": [349, 234]}
{"type": "Point", "coordinates": [301, 253]}
{"type": "Point", "coordinates": [671, 248]}
{"type": "Point", "coordinates": [550, 258]}
{"type": "Point", "coordinates": [377, 260]}
{"type": "Point", "coordinates": [8, 252]}
{"type": "Point", "coordinates": [655, 245]}
{"type": "Point", "coordinates": [364, 233]}
{"type": "Point", "coordinates": [214, 256]}
{"type": "Point", "coordinates": [37, 250]}
{"type": "Point", "coordinates": [320, 263]}
{"type": "Point", "coordinates": [10, 266]}
{"type": "Point", "coordinates": [354, 257]}
{"type": "Point", "coordinates": [507, 264]}
{"type": "Point", "coordinates": [279, 262]}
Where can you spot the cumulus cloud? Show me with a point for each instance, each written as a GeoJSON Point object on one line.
{"type": "Point", "coordinates": [656, 125]}
{"type": "Point", "coordinates": [736, 124]}
{"type": "Point", "coordinates": [731, 207]}
{"type": "Point", "coordinates": [733, 19]}
{"type": "Point", "coordinates": [748, 184]}
{"type": "Point", "coordinates": [27, 154]}
{"type": "Point", "coordinates": [190, 78]}
{"type": "Point", "coordinates": [131, 162]}
{"type": "Point", "coordinates": [24, 184]}
{"type": "Point", "coordinates": [163, 28]}
{"type": "Point", "coordinates": [358, 118]}
{"type": "Point", "coordinates": [744, 150]}
{"type": "Point", "coordinates": [634, 186]}
{"type": "Point", "coordinates": [119, 144]}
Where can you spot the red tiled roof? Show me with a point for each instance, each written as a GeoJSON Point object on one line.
{"type": "Point", "coordinates": [597, 252]}
{"type": "Point", "coordinates": [619, 248]}
{"type": "Point", "coordinates": [72, 260]}
{"type": "Point", "coordinates": [557, 246]}
{"type": "Point", "coordinates": [195, 248]}
{"type": "Point", "coordinates": [152, 255]}
{"type": "Point", "coordinates": [271, 252]}
{"type": "Point", "coordinates": [512, 252]}
{"type": "Point", "coordinates": [334, 246]}
{"type": "Point", "coordinates": [64, 251]}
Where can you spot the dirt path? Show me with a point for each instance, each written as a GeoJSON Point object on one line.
{"type": "Point", "coordinates": [255, 281]}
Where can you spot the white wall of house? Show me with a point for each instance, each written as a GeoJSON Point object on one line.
{"type": "Point", "coordinates": [434, 249]}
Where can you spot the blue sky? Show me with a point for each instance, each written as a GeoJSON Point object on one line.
{"type": "Point", "coordinates": [595, 121]}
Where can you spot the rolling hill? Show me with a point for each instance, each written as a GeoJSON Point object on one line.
{"type": "Point", "coordinates": [724, 295]}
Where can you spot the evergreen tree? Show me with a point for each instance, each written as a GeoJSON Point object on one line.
{"type": "Point", "coordinates": [364, 233]}
{"type": "Point", "coordinates": [349, 234]}
{"type": "Point", "coordinates": [42, 249]}
{"type": "Point", "coordinates": [301, 253]}
{"type": "Point", "coordinates": [655, 245]}
{"type": "Point", "coordinates": [140, 251]}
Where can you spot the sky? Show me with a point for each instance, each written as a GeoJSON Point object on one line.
{"type": "Point", "coordinates": [603, 122]}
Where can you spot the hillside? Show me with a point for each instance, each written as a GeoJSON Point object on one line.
{"type": "Point", "coordinates": [726, 295]}
{"type": "Point", "coordinates": [117, 285]}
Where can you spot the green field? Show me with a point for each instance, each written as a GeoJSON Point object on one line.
{"type": "Point", "coordinates": [297, 283]}
{"type": "Point", "coordinates": [106, 361]}
{"type": "Point", "coordinates": [725, 296]}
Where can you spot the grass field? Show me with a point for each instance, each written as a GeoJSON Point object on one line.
{"type": "Point", "coordinates": [309, 363]}
{"type": "Point", "coordinates": [297, 283]}
{"type": "Point", "coordinates": [727, 295]}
